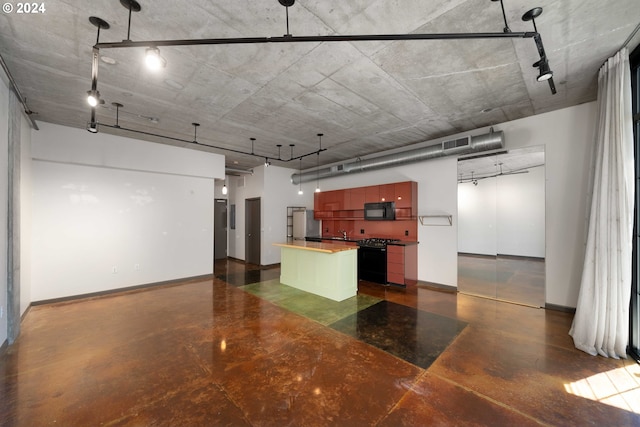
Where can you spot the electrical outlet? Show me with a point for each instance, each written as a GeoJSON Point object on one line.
{"type": "Point", "coordinates": [136, 267]}
{"type": "Point", "coordinates": [114, 269]}
{"type": "Point", "coordinates": [406, 232]}
{"type": "Point", "coordinates": [1, 312]}
{"type": "Point", "coordinates": [362, 231]}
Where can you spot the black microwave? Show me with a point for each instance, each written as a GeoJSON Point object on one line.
{"type": "Point", "coordinates": [383, 211]}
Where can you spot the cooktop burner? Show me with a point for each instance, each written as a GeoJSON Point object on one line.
{"type": "Point", "coordinates": [375, 242]}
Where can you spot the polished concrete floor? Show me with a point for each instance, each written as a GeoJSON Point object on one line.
{"type": "Point", "coordinates": [241, 349]}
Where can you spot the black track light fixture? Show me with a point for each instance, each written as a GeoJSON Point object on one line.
{"type": "Point", "coordinates": [93, 98]}
{"type": "Point", "coordinates": [545, 73]}
{"type": "Point", "coordinates": [92, 127]}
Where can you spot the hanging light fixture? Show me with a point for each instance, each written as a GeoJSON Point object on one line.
{"type": "Point", "coordinates": [153, 59]}
{"type": "Point", "coordinates": [92, 127]}
{"type": "Point", "coordinates": [545, 71]}
{"type": "Point", "coordinates": [93, 98]}
{"type": "Point", "coordinates": [224, 187]}
{"type": "Point", "coordinates": [318, 163]}
{"type": "Point", "coordinates": [300, 192]}
{"type": "Point", "coordinates": [300, 168]}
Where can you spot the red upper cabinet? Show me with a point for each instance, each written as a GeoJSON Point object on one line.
{"type": "Point", "coordinates": [387, 193]}
{"type": "Point", "coordinates": [356, 198]}
{"type": "Point", "coordinates": [320, 210]}
{"type": "Point", "coordinates": [349, 203]}
{"type": "Point", "coordinates": [372, 194]}
{"type": "Point", "coordinates": [406, 195]}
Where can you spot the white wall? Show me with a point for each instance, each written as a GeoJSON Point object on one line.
{"type": "Point", "coordinates": [521, 214]}
{"type": "Point", "coordinates": [25, 215]}
{"type": "Point", "coordinates": [503, 215]}
{"type": "Point", "coordinates": [567, 136]}
{"type": "Point", "coordinates": [272, 185]}
{"type": "Point", "coordinates": [275, 209]}
{"type": "Point", "coordinates": [477, 217]}
{"type": "Point", "coordinates": [112, 212]}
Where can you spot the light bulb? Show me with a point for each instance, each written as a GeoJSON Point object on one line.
{"type": "Point", "coordinates": [317, 189]}
{"type": "Point", "coordinates": [93, 98]}
{"type": "Point", "coordinates": [300, 192]}
{"type": "Point", "coordinates": [153, 59]}
{"type": "Point", "coordinates": [224, 189]}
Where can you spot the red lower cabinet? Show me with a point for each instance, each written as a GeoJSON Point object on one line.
{"type": "Point", "coordinates": [402, 264]}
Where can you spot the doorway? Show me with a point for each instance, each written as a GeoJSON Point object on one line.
{"type": "Point", "coordinates": [220, 229]}
{"type": "Point", "coordinates": [252, 230]}
{"type": "Point", "coordinates": [501, 226]}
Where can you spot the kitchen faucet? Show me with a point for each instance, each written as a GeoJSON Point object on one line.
{"type": "Point", "coordinates": [344, 234]}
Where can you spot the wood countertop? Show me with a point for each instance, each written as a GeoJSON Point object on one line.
{"type": "Point", "coordinates": [329, 248]}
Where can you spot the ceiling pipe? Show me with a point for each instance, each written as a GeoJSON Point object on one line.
{"type": "Point", "coordinates": [476, 144]}
{"type": "Point", "coordinates": [236, 171]}
{"type": "Point", "coordinates": [14, 88]}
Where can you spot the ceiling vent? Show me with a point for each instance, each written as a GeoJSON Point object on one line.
{"type": "Point", "coordinates": [456, 143]}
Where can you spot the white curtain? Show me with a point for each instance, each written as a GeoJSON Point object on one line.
{"type": "Point", "coordinates": [601, 323]}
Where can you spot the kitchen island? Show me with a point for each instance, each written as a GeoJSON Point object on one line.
{"type": "Point", "coordinates": [325, 269]}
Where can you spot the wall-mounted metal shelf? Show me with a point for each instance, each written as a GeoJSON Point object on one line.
{"type": "Point", "coordinates": [436, 220]}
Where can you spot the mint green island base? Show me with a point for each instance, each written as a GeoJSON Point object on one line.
{"type": "Point", "coordinates": [324, 269]}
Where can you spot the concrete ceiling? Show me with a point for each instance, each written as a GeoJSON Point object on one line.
{"type": "Point", "coordinates": [365, 97]}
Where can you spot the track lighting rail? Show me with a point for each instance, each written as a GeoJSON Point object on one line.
{"type": "Point", "coordinates": [193, 141]}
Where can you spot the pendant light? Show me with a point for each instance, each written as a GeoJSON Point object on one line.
{"type": "Point", "coordinates": [300, 192]}
{"type": "Point", "coordinates": [318, 163]}
{"type": "Point", "coordinates": [224, 187]}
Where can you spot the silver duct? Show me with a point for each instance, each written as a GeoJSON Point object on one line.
{"type": "Point", "coordinates": [235, 171]}
{"type": "Point", "coordinates": [466, 145]}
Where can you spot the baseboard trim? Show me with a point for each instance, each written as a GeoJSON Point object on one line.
{"type": "Point", "coordinates": [26, 312]}
{"type": "Point", "coordinates": [438, 287]}
{"type": "Point", "coordinates": [128, 289]}
{"type": "Point", "coordinates": [562, 308]}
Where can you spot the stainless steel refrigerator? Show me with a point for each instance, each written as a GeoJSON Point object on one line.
{"type": "Point", "coordinates": [304, 225]}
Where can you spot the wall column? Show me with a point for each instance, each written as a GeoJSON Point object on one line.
{"type": "Point", "coordinates": [13, 221]}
